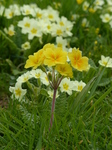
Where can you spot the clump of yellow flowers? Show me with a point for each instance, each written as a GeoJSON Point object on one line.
{"type": "Point", "coordinates": [60, 63]}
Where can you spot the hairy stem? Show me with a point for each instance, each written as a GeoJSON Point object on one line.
{"type": "Point", "coordinates": [52, 109]}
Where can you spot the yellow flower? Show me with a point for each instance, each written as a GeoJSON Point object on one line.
{"type": "Point", "coordinates": [48, 46]}
{"type": "Point", "coordinates": [65, 70]}
{"type": "Point", "coordinates": [77, 61]}
{"type": "Point", "coordinates": [35, 60]}
{"type": "Point", "coordinates": [54, 56]}
{"type": "Point", "coordinates": [79, 1]}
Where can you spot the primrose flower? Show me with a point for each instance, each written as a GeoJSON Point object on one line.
{"type": "Point", "coordinates": [35, 60]}
{"type": "Point", "coordinates": [39, 13]}
{"type": "Point", "coordinates": [25, 24]}
{"type": "Point", "coordinates": [15, 9]}
{"type": "Point", "coordinates": [65, 70]}
{"type": "Point", "coordinates": [10, 31]}
{"type": "Point", "coordinates": [34, 30]}
{"type": "Point", "coordinates": [99, 2]}
{"type": "Point", "coordinates": [44, 79]}
{"type": "Point", "coordinates": [92, 9]}
{"type": "Point", "coordinates": [36, 73]}
{"type": "Point", "coordinates": [52, 14]}
{"type": "Point", "coordinates": [66, 86]}
{"type": "Point", "coordinates": [77, 61]}
{"type": "Point", "coordinates": [85, 5]}
{"type": "Point", "coordinates": [106, 61]}
{"type": "Point", "coordinates": [48, 46]}
{"type": "Point", "coordinates": [79, 1]}
{"type": "Point", "coordinates": [57, 4]}
{"type": "Point", "coordinates": [66, 24]}
{"type": "Point", "coordinates": [61, 42]}
{"type": "Point", "coordinates": [27, 10]}
{"type": "Point", "coordinates": [24, 77]}
{"type": "Point", "coordinates": [109, 2]}
{"type": "Point", "coordinates": [106, 18]}
{"type": "Point", "coordinates": [49, 27]}
{"type": "Point", "coordinates": [17, 91]}
{"type": "Point", "coordinates": [58, 30]}
{"type": "Point", "coordinates": [26, 45]}
{"type": "Point", "coordinates": [85, 22]}
{"type": "Point", "coordinates": [54, 56]}
{"type": "Point", "coordinates": [50, 92]}
{"type": "Point", "coordinates": [9, 13]}
{"type": "Point", "coordinates": [79, 85]}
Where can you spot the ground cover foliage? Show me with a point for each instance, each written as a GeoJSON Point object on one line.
{"type": "Point", "coordinates": [82, 118]}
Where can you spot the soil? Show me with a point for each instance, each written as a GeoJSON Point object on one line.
{"type": "Point", "coordinates": [4, 101]}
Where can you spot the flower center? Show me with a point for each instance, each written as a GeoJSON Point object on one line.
{"type": "Point", "coordinates": [59, 45]}
{"type": "Point", "coordinates": [34, 31]}
{"type": "Point", "coordinates": [65, 86]}
{"type": "Point", "coordinates": [25, 79]}
{"type": "Point", "coordinates": [11, 14]}
{"type": "Point", "coordinates": [48, 27]}
{"type": "Point", "coordinates": [39, 15]}
{"type": "Point", "coordinates": [107, 18]}
{"type": "Point", "coordinates": [37, 75]}
{"type": "Point", "coordinates": [27, 12]}
{"type": "Point", "coordinates": [10, 32]}
{"type": "Point", "coordinates": [50, 16]}
{"type": "Point", "coordinates": [80, 87]}
{"type": "Point", "coordinates": [27, 24]}
{"type": "Point", "coordinates": [61, 23]}
{"type": "Point", "coordinates": [105, 63]}
{"type": "Point", "coordinates": [59, 32]}
{"type": "Point", "coordinates": [18, 92]}
{"type": "Point", "coordinates": [46, 78]}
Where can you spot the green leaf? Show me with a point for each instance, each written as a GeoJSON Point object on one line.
{"type": "Point", "coordinates": [81, 96]}
{"type": "Point", "coordinates": [92, 64]}
{"type": "Point", "coordinates": [105, 81]}
{"type": "Point", "coordinates": [10, 43]}
{"type": "Point", "coordinates": [43, 92]}
{"type": "Point", "coordinates": [99, 100]}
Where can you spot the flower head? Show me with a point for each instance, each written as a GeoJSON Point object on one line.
{"type": "Point", "coordinates": [54, 56]}
{"type": "Point", "coordinates": [79, 1]}
{"type": "Point", "coordinates": [65, 70]}
{"type": "Point", "coordinates": [24, 77]}
{"type": "Point", "coordinates": [50, 92]}
{"type": "Point", "coordinates": [106, 18]}
{"type": "Point", "coordinates": [36, 73]}
{"type": "Point", "coordinates": [10, 31]}
{"type": "Point", "coordinates": [27, 10]}
{"type": "Point", "coordinates": [79, 85]}
{"type": "Point", "coordinates": [17, 91]}
{"type": "Point", "coordinates": [106, 61]}
{"type": "Point", "coordinates": [35, 60]}
{"type": "Point", "coordinates": [66, 86]}
{"type": "Point", "coordinates": [26, 45]}
{"type": "Point", "coordinates": [77, 61]}
{"type": "Point", "coordinates": [44, 79]}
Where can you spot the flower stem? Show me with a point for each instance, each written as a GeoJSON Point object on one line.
{"type": "Point", "coordinates": [52, 109]}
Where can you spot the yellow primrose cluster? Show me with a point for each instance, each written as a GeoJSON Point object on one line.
{"type": "Point", "coordinates": [59, 60]}
{"type": "Point", "coordinates": [53, 56]}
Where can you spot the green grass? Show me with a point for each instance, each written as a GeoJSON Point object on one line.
{"type": "Point", "coordinates": [82, 121]}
